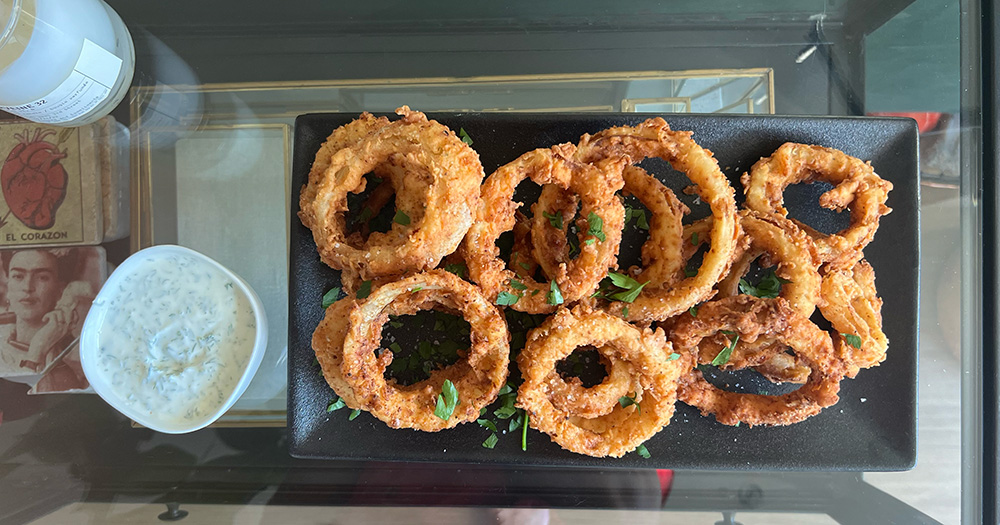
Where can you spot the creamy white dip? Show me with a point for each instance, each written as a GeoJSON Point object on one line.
{"type": "Point", "coordinates": [176, 339]}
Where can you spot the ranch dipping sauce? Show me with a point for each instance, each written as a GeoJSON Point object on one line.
{"type": "Point", "coordinates": [175, 340]}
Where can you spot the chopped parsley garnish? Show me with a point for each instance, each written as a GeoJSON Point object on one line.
{"type": "Point", "coordinates": [466, 139]}
{"type": "Point", "coordinates": [517, 285]}
{"type": "Point", "coordinates": [354, 414]}
{"type": "Point", "coordinates": [693, 311]}
{"type": "Point", "coordinates": [486, 423]}
{"type": "Point", "coordinates": [446, 401]}
{"type": "Point", "coordinates": [364, 290]}
{"type": "Point", "coordinates": [515, 423]}
{"type": "Point", "coordinates": [639, 215]}
{"type": "Point", "coordinates": [507, 298]}
{"type": "Point", "coordinates": [630, 288]}
{"type": "Point", "coordinates": [627, 401]}
{"type": "Point", "coordinates": [641, 450]}
{"type": "Point", "coordinates": [458, 269]}
{"type": "Point", "coordinates": [491, 441]}
{"type": "Point", "coordinates": [688, 272]}
{"type": "Point", "coordinates": [853, 340]}
{"type": "Point", "coordinates": [524, 432]}
{"type": "Point", "coordinates": [768, 288]}
{"type": "Point", "coordinates": [401, 218]}
{"type": "Point", "coordinates": [395, 348]}
{"type": "Point", "coordinates": [365, 215]}
{"type": "Point", "coordinates": [555, 295]}
{"type": "Point", "coordinates": [694, 238]}
{"type": "Point", "coordinates": [625, 311]}
{"type": "Point", "coordinates": [723, 356]}
{"type": "Point", "coordinates": [595, 226]}
{"type": "Point", "coordinates": [526, 266]}
{"type": "Point", "coordinates": [336, 404]}
{"type": "Point", "coordinates": [395, 324]}
{"type": "Point", "coordinates": [673, 357]}
{"type": "Point", "coordinates": [331, 297]}
{"type": "Point", "coordinates": [555, 219]}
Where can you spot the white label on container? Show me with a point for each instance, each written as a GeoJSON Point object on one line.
{"type": "Point", "coordinates": [86, 87]}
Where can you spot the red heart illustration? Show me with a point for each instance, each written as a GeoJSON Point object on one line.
{"type": "Point", "coordinates": [33, 180]}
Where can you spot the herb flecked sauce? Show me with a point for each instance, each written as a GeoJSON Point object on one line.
{"type": "Point", "coordinates": [176, 339]}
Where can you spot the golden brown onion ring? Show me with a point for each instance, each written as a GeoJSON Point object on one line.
{"type": "Point", "coordinates": [497, 214]}
{"type": "Point", "coordinates": [753, 318]}
{"type": "Point", "coordinates": [577, 277]}
{"type": "Point", "coordinates": [856, 187]}
{"type": "Point", "coordinates": [623, 429]}
{"type": "Point", "coordinates": [426, 151]}
{"type": "Point", "coordinates": [569, 395]}
{"type": "Point", "coordinates": [654, 138]}
{"type": "Point", "coordinates": [478, 375]}
{"type": "Point", "coordinates": [853, 307]}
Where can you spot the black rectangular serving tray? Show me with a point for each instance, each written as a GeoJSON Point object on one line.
{"type": "Point", "coordinates": [873, 427]}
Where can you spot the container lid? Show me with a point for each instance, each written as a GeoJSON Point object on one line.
{"type": "Point", "coordinates": [17, 17]}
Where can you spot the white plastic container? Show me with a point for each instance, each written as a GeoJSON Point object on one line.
{"type": "Point", "coordinates": [65, 62]}
{"type": "Point", "coordinates": [144, 377]}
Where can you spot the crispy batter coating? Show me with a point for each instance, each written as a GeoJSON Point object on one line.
{"type": "Point", "coordinates": [497, 214]}
{"type": "Point", "coordinates": [352, 331]}
{"type": "Point", "coordinates": [856, 187]}
{"type": "Point", "coordinates": [853, 307]}
{"type": "Point", "coordinates": [414, 152]}
{"type": "Point", "coordinates": [752, 319]}
{"type": "Point", "coordinates": [622, 429]}
{"type": "Point", "coordinates": [654, 138]}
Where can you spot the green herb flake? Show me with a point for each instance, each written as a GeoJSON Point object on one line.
{"type": "Point", "coordinates": [446, 400]}
{"type": "Point", "coordinates": [673, 357]}
{"type": "Point", "coordinates": [694, 238]}
{"type": "Point", "coordinates": [354, 414]}
{"type": "Point", "coordinates": [723, 356]}
{"type": "Point", "coordinates": [518, 285]}
{"type": "Point", "coordinates": [555, 295]}
{"type": "Point", "coordinates": [641, 450]}
{"type": "Point", "coordinates": [396, 350]}
{"type": "Point", "coordinates": [641, 220]}
{"type": "Point", "coordinates": [595, 226]}
{"type": "Point", "coordinates": [524, 433]}
{"type": "Point", "coordinates": [466, 139]}
{"type": "Point", "coordinates": [336, 404]}
{"type": "Point", "coordinates": [331, 297]}
{"type": "Point", "coordinates": [486, 423]}
{"type": "Point", "coordinates": [625, 311]}
{"type": "Point", "coordinates": [491, 441]}
{"type": "Point", "coordinates": [507, 298]}
{"type": "Point", "coordinates": [622, 281]}
{"type": "Point", "coordinates": [515, 423]}
{"type": "Point", "coordinates": [365, 289]}
{"type": "Point", "coordinates": [526, 266]}
{"type": "Point", "coordinates": [853, 340]}
{"type": "Point", "coordinates": [630, 295]}
{"type": "Point", "coordinates": [555, 219]}
{"type": "Point", "coordinates": [401, 218]}
{"type": "Point", "coordinates": [769, 286]}
{"type": "Point", "coordinates": [627, 401]}
{"type": "Point", "coordinates": [693, 311]}
{"type": "Point", "coordinates": [458, 269]}
{"type": "Point", "coordinates": [688, 272]}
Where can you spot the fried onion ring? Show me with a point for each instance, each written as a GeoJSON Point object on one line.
{"type": "Point", "coordinates": [599, 400]}
{"type": "Point", "coordinates": [497, 214]}
{"type": "Point", "coordinates": [478, 375]}
{"type": "Point", "coordinates": [622, 429]}
{"type": "Point", "coordinates": [425, 151]}
{"type": "Point", "coordinates": [577, 277]}
{"type": "Point", "coordinates": [753, 318]}
{"type": "Point", "coordinates": [654, 138]}
{"type": "Point", "coordinates": [856, 187]}
{"type": "Point", "coordinates": [853, 307]}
